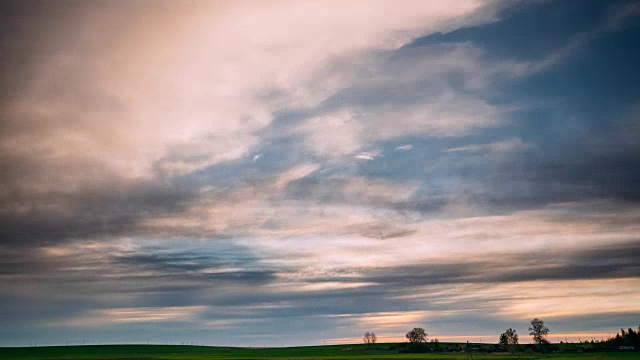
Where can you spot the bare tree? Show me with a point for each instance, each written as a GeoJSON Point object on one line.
{"type": "Point", "coordinates": [370, 338]}
{"type": "Point", "coordinates": [367, 339]}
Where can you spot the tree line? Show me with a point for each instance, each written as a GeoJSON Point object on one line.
{"type": "Point", "coordinates": [629, 338]}
{"type": "Point", "coordinates": [509, 340]}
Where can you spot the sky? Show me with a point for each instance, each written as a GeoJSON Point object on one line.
{"type": "Point", "coordinates": [280, 173]}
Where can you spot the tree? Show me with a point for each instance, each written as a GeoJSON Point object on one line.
{"type": "Point", "coordinates": [370, 338]}
{"type": "Point", "coordinates": [417, 336]}
{"type": "Point", "coordinates": [538, 331]}
{"type": "Point", "coordinates": [509, 339]}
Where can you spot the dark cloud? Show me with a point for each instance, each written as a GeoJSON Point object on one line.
{"type": "Point", "coordinates": [21, 26]}
{"type": "Point", "coordinates": [89, 277]}
{"type": "Point", "coordinates": [580, 169]}
{"type": "Point", "coordinates": [29, 220]}
{"type": "Point", "coordinates": [602, 262]}
{"type": "Point", "coordinates": [152, 268]}
{"type": "Point", "coordinates": [597, 322]}
{"type": "Point", "coordinates": [54, 188]}
{"type": "Point", "coordinates": [225, 266]}
{"type": "Point", "coordinates": [387, 285]}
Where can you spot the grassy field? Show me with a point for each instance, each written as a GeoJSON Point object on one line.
{"type": "Point", "coordinates": [148, 352]}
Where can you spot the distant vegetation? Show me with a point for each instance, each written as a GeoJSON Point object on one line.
{"type": "Point", "coordinates": [624, 339]}
{"type": "Point", "coordinates": [509, 339]}
{"type": "Point", "coordinates": [370, 338]}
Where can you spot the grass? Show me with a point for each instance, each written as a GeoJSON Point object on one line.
{"type": "Point", "coordinates": [180, 352]}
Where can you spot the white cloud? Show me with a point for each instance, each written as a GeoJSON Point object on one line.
{"type": "Point", "coordinates": [447, 115]}
{"type": "Point", "coordinates": [332, 135]}
{"type": "Point", "coordinates": [365, 156]}
{"type": "Point", "coordinates": [405, 147]}
{"type": "Point", "coordinates": [295, 173]}
{"type": "Point", "coordinates": [262, 210]}
{"type": "Point", "coordinates": [442, 110]}
{"type": "Point", "coordinates": [347, 132]}
{"type": "Point", "coordinates": [189, 87]}
{"type": "Point", "coordinates": [348, 237]}
{"type": "Point", "coordinates": [512, 144]}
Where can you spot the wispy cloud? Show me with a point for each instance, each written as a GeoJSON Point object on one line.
{"type": "Point", "coordinates": [365, 156]}
{"type": "Point", "coordinates": [404, 147]}
{"type": "Point", "coordinates": [498, 146]}
{"type": "Point", "coordinates": [134, 315]}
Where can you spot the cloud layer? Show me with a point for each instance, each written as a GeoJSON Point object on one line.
{"type": "Point", "coordinates": [225, 166]}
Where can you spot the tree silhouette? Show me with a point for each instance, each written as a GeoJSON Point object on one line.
{"type": "Point", "coordinates": [367, 339]}
{"type": "Point", "coordinates": [538, 331]}
{"type": "Point", "coordinates": [416, 336]}
{"type": "Point", "coordinates": [628, 338]}
{"type": "Point", "coordinates": [370, 338]}
{"type": "Point", "coordinates": [509, 339]}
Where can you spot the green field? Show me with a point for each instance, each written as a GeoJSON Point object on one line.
{"type": "Point", "coordinates": [148, 352]}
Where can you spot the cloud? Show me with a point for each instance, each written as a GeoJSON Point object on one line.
{"type": "Point", "coordinates": [96, 125]}
{"type": "Point", "coordinates": [141, 116]}
{"type": "Point", "coordinates": [295, 203]}
{"type": "Point", "coordinates": [404, 147]}
{"type": "Point", "coordinates": [332, 135]}
{"type": "Point", "coordinates": [296, 173]}
{"type": "Point", "coordinates": [406, 92]}
{"type": "Point", "coordinates": [133, 315]}
{"type": "Point", "coordinates": [365, 156]}
{"type": "Point", "coordinates": [31, 218]}
{"type": "Point", "coordinates": [522, 269]}
{"type": "Point", "coordinates": [578, 170]}
{"type": "Point", "coordinates": [498, 146]}
{"type": "Point", "coordinates": [330, 282]}
{"type": "Point", "coordinates": [230, 165]}
{"type": "Point", "coordinates": [391, 320]}
{"type": "Point", "coordinates": [136, 90]}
